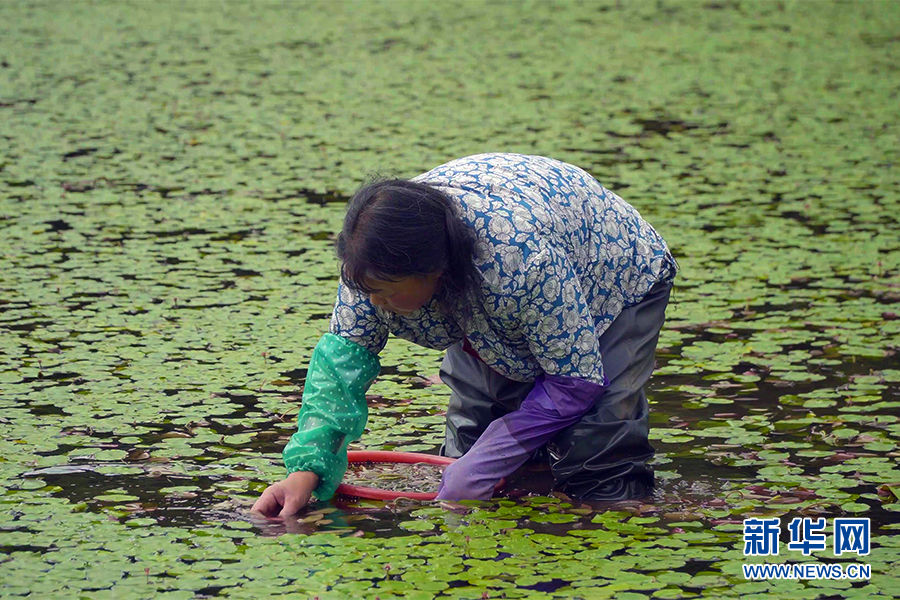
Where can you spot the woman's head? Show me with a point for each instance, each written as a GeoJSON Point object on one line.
{"type": "Point", "coordinates": [402, 243]}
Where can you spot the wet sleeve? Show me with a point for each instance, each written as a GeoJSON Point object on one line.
{"type": "Point", "coordinates": [555, 320]}
{"type": "Point", "coordinates": [333, 411]}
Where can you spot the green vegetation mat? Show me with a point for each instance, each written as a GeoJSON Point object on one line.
{"type": "Point", "coordinates": [171, 177]}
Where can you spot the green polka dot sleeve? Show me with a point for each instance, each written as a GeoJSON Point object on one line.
{"type": "Point", "coordinates": [333, 412]}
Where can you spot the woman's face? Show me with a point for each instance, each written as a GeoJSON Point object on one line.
{"type": "Point", "coordinates": [405, 295]}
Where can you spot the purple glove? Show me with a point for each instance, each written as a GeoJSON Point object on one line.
{"type": "Point", "coordinates": [553, 404]}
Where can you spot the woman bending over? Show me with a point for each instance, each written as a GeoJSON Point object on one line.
{"type": "Point", "coordinates": [547, 292]}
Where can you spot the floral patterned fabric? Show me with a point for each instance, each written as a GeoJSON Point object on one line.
{"type": "Point", "coordinates": [559, 256]}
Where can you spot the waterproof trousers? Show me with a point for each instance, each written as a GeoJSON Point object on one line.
{"type": "Point", "coordinates": [604, 455]}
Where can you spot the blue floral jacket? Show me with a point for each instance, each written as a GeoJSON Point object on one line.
{"type": "Point", "coordinates": [559, 257]}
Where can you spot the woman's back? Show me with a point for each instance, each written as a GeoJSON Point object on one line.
{"type": "Point", "coordinates": [520, 205]}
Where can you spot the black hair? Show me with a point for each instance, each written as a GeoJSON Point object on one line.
{"type": "Point", "coordinates": [397, 228]}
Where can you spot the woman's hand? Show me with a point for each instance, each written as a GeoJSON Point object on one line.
{"type": "Point", "coordinates": [287, 497]}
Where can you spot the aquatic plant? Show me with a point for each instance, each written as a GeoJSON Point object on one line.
{"type": "Point", "coordinates": [171, 179]}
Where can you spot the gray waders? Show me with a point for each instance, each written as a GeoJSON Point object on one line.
{"type": "Point", "coordinates": [604, 455]}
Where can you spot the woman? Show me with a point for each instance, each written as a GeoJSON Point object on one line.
{"type": "Point", "coordinates": [548, 293]}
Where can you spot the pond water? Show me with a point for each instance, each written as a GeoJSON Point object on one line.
{"type": "Point", "coordinates": [395, 477]}
{"type": "Point", "coordinates": [169, 190]}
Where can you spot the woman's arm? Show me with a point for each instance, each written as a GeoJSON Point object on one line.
{"type": "Point", "coordinates": [332, 415]}
{"type": "Point", "coordinates": [333, 412]}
